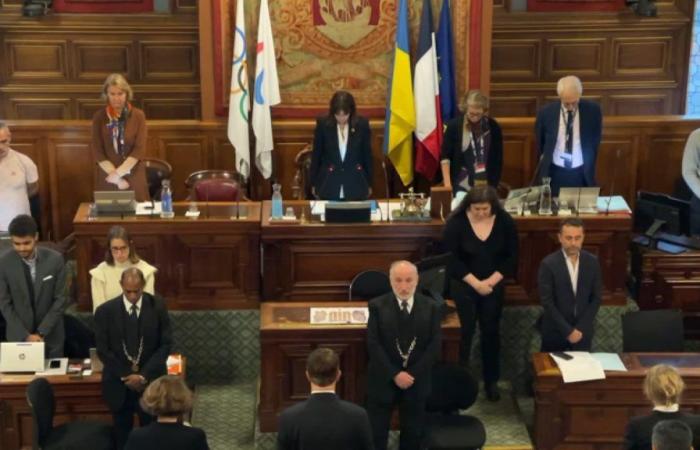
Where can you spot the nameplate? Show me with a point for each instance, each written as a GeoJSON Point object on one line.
{"type": "Point", "coordinates": [338, 316]}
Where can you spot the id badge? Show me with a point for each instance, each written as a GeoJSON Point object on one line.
{"type": "Point", "coordinates": [479, 168]}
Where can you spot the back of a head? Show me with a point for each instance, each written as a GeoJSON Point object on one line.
{"type": "Point", "coordinates": [322, 366]}
{"type": "Point", "coordinates": [167, 396]}
{"type": "Point", "coordinates": [23, 226]}
{"type": "Point", "coordinates": [672, 435]}
{"type": "Point", "coordinates": [663, 385]}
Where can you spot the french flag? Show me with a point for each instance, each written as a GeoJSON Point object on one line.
{"type": "Point", "coordinates": [426, 91]}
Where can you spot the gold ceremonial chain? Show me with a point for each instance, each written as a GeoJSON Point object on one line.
{"type": "Point", "coordinates": [134, 361]}
{"type": "Point", "coordinates": [405, 356]}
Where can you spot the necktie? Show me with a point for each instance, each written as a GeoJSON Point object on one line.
{"type": "Point", "coordinates": [132, 332]}
{"type": "Point", "coordinates": [569, 138]}
{"type": "Point", "coordinates": [404, 307]}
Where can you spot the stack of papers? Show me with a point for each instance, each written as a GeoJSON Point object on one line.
{"type": "Point", "coordinates": [615, 203]}
{"type": "Point", "coordinates": [582, 367]}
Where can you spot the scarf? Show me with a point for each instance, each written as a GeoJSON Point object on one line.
{"type": "Point", "coordinates": [117, 127]}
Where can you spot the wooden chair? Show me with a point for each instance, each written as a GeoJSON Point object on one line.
{"type": "Point", "coordinates": [216, 186]}
{"type": "Point", "coordinates": [157, 170]}
{"type": "Point", "coordinates": [302, 188]}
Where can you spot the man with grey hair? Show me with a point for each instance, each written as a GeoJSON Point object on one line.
{"type": "Point", "coordinates": [672, 435]}
{"type": "Point", "coordinates": [19, 180]}
{"type": "Point", "coordinates": [403, 342]}
{"type": "Point", "coordinates": [568, 134]}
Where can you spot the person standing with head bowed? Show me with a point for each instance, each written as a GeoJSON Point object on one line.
{"type": "Point", "coordinates": [119, 140]}
{"type": "Point", "coordinates": [341, 161]}
{"type": "Point", "coordinates": [472, 150]}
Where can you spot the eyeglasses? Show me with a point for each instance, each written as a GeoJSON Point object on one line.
{"type": "Point", "coordinates": [120, 249]}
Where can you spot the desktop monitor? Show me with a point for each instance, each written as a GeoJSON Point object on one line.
{"type": "Point", "coordinates": [115, 203]}
{"type": "Point", "coordinates": [654, 212]}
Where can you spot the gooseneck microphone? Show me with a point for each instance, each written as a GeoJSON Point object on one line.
{"type": "Point", "coordinates": [386, 186]}
{"type": "Point", "coordinates": [612, 184]}
{"type": "Point", "coordinates": [532, 182]}
{"type": "Point", "coordinates": [242, 163]}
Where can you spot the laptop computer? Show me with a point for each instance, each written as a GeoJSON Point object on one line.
{"type": "Point", "coordinates": [586, 198]}
{"type": "Point", "coordinates": [21, 357]}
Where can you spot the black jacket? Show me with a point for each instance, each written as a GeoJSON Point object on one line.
{"type": "Point", "coordinates": [154, 325]}
{"type": "Point", "coordinates": [324, 422]}
{"type": "Point", "coordinates": [328, 172]}
{"type": "Point", "coordinates": [167, 436]}
{"type": "Point", "coordinates": [639, 429]}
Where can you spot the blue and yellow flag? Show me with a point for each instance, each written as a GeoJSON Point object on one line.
{"type": "Point", "coordinates": [400, 119]}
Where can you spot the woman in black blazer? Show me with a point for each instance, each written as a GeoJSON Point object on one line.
{"type": "Point", "coordinates": [483, 243]}
{"type": "Point", "coordinates": [341, 162]}
{"type": "Point", "coordinates": [169, 399]}
{"type": "Point", "coordinates": [663, 387]}
{"type": "Point", "coordinates": [472, 149]}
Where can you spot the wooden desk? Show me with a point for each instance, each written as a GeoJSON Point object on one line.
{"type": "Point", "coordinates": [592, 415]}
{"type": "Point", "coordinates": [317, 261]}
{"type": "Point", "coordinates": [211, 262]}
{"type": "Point", "coordinates": [75, 399]}
{"type": "Point", "coordinates": [287, 338]}
{"type": "Point", "coordinates": [669, 281]}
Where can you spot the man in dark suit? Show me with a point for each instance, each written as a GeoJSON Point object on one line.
{"type": "Point", "coordinates": [568, 134]}
{"type": "Point", "coordinates": [403, 341]}
{"type": "Point", "coordinates": [324, 421]}
{"type": "Point", "coordinates": [672, 435]}
{"type": "Point", "coordinates": [639, 431]}
{"type": "Point", "coordinates": [32, 284]}
{"type": "Point", "coordinates": [341, 161]}
{"type": "Point", "coordinates": [133, 341]}
{"type": "Point", "coordinates": [570, 288]}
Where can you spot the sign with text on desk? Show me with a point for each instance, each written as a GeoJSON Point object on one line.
{"type": "Point", "coordinates": [339, 316]}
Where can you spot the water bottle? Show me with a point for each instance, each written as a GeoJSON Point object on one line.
{"type": "Point", "coordinates": [546, 197]}
{"type": "Point", "coordinates": [166, 201]}
{"type": "Point", "coordinates": [277, 211]}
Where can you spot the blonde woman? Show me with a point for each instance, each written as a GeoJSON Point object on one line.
{"type": "Point", "coordinates": [119, 140]}
{"type": "Point", "coordinates": [120, 255]}
{"type": "Point", "coordinates": [169, 399]}
{"type": "Point", "coordinates": [663, 386]}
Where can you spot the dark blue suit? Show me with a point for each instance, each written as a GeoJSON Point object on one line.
{"type": "Point", "coordinates": [547, 130]}
{"type": "Point", "coordinates": [562, 310]}
{"type": "Point", "coordinates": [328, 172]}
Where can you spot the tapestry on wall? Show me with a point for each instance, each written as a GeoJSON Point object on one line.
{"type": "Point", "coordinates": [326, 45]}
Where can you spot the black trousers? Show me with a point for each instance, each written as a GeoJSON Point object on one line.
{"type": "Point", "coordinates": [124, 418]}
{"type": "Point", "coordinates": [411, 418]}
{"type": "Point", "coordinates": [472, 307]}
{"type": "Point", "coordinates": [562, 177]}
{"type": "Point", "coordinates": [694, 215]}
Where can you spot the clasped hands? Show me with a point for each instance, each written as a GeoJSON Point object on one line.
{"type": "Point", "coordinates": [34, 338]}
{"type": "Point", "coordinates": [485, 286]}
{"type": "Point", "coordinates": [135, 382]}
{"type": "Point", "coordinates": [404, 380]}
{"type": "Point", "coordinates": [116, 179]}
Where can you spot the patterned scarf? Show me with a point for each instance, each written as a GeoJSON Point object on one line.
{"type": "Point", "coordinates": [117, 126]}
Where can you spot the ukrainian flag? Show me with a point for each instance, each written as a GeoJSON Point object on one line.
{"type": "Point", "coordinates": [400, 119]}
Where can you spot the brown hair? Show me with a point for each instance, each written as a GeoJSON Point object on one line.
{"type": "Point", "coordinates": [119, 232]}
{"type": "Point", "coordinates": [663, 385]}
{"type": "Point", "coordinates": [342, 101]}
{"type": "Point", "coordinates": [167, 396]}
{"type": "Point", "coordinates": [571, 222]}
{"type": "Point", "coordinates": [322, 366]}
{"type": "Point", "coordinates": [478, 194]}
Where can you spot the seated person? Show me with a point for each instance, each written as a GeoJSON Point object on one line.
{"type": "Point", "coordinates": [170, 400]}
{"type": "Point", "coordinates": [663, 387]}
{"type": "Point", "coordinates": [120, 255]}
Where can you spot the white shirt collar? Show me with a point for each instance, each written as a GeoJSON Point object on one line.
{"type": "Point", "coordinates": [667, 409]}
{"type": "Point", "coordinates": [127, 305]}
{"type": "Point", "coordinates": [410, 303]}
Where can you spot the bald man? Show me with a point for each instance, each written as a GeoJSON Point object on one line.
{"type": "Point", "coordinates": [568, 135]}
{"type": "Point", "coordinates": [403, 342]}
{"type": "Point", "coordinates": [133, 341]}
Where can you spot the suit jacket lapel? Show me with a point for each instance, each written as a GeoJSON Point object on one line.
{"type": "Point", "coordinates": [18, 266]}
{"type": "Point", "coordinates": [39, 276]}
{"type": "Point", "coordinates": [145, 315]}
{"type": "Point", "coordinates": [333, 132]}
{"type": "Point", "coordinates": [565, 269]}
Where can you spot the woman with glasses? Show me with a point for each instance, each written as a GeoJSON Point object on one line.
{"type": "Point", "coordinates": [120, 255]}
{"type": "Point", "coordinates": [472, 148]}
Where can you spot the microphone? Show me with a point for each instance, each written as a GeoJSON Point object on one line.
{"type": "Point", "coordinates": [578, 201]}
{"type": "Point", "coordinates": [532, 182]}
{"type": "Point", "coordinates": [612, 185]}
{"type": "Point", "coordinates": [386, 186]}
{"type": "Point", "coordinates": [358, 167]}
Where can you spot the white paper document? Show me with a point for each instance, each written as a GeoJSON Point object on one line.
{"type": "Point", "coordinates": [148, 209]}
{"type": "Point", "coordinates": [616, 203]}
{"type": "Point", "coordinates": [582, 367]}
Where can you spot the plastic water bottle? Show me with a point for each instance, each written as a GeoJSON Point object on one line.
{"type": "Point", "coordinates": [277, 210]}
{"type": "Point", "coordinates": [166, 201]}
{"type": "Point", "coordinates": [546, 197]}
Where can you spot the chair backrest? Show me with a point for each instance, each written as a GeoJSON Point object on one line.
{"type": "Point", "coordinates": [41, 402]}
{"type": "Point", "coordinates": [216, 186]}
{"type": "Point", "coordinates": [302, 182]}
{"type": "Point", "coordinates": [369, 284]}
{"type": "Point", "coordinates": [453, 388]}
{"type": "Point", "coordinates": [653, 331]}
{"type": "Point", "coordinates": [157, 170]}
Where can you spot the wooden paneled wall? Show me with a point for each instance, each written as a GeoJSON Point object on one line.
{"type": "Point", "coordinates": [54, 67]}
{"type": "Point", "coordinates": [631, 65]}
{"type": "Point", "coordinates": [650, 152]}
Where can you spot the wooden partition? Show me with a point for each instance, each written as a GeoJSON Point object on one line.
{"type": "Point", "coordinates": [650, 152]}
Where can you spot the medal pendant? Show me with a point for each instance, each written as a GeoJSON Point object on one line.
{"type": "Point", "coordinates": [134, 367]}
